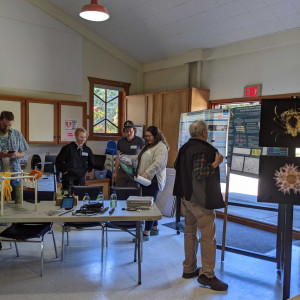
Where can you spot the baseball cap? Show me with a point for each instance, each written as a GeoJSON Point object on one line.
{"type": "Point", "coordinates": [129, 124]}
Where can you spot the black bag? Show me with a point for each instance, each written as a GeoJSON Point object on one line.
{"type": "Point", "coordinates": [36, 162]}
{"type": "Point", "coordinates": [90, 209]}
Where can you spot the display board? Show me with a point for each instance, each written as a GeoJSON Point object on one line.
{"type": "Point", "coordinates": [217, 122]}
{"type": "Point", "coordinates": [279, 180]}
{"type": "Point", "coordinates": [243, 141]}
{"type": "Point", "coordinates": [280, 123]}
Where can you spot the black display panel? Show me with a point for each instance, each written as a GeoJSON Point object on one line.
{"type": "Point", "coordinates": [280, 123]}
{"type": "Point", "coordinates": [279, 180]}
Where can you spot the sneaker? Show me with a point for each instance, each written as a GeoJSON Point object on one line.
{"type": "Point", "coordinates": [154, 232]}
{"type": "Point", "coordinates": [191, 275]}
{"type": "Point", "coordinates": [214, 283]}
{"type": "Point", "coordinates": [146, 238]}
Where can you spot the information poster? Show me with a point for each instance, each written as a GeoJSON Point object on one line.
{"type": "Point", "coordinates": [217, 122]}
{"type": "Point", "coordinates": [243, 141]}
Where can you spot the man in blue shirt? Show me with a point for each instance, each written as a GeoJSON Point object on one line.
{"type": "Point", "coordinates": [12, 146]}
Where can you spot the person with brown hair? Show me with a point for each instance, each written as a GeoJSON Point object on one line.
{"type": "Point", "coordinates": [75, 160]}
{"type": "Point", "coordinates": [12, 147]}
{"type": "Point", "coordinates": [152, 161]}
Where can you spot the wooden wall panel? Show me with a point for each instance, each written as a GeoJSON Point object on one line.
{"type": "Point", "coordinates": [173, 105]}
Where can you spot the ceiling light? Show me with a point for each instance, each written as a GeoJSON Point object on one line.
{"type": "Point", "coordinates": [94, 12]}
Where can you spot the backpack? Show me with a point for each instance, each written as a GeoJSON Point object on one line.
{"type": "Point", "coordinates": [36, 162]}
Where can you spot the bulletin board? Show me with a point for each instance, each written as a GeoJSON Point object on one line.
{"type": "Point", "coordinates": [217, 123]}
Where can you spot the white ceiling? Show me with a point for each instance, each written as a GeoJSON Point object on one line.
{"type": "Point", "coordinates": [153, 30]}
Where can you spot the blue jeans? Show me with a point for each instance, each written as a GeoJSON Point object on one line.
{"type": "Point", "coordinates": [151, 190]}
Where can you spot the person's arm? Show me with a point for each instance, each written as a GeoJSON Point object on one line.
{"type": "Point", "coordinates": [91, 163]}
{"type": "Point", "coordinates": [160, 158]}
{"type": "Point", "coordinates": [16, 154]}
{"type": "Point", "coordinates": [60, 161]}
{"type": "Point", "coordinates": [117, 163]}
{"type": "Point", "coordinates": [204, 169]}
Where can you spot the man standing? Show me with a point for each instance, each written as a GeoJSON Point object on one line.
{"type": "Point", "coordinates": [129, 144]}
{"type": "Point", "coordinates": [12, 147]}
{"type": "Point", "coordinates": [75, 160]}
{"type": "Point", "coordinates": [198, 183]}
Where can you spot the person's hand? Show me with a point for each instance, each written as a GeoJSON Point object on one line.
{"type": "Point", "coordinates": [145, 175]}
{"type": "Point", "coordinates": [3, 153]}
{"type": "Point", "coordinates": [114, 177]}
{"type": "Point", "coordinates": [13, 154]}
{"type": "Point", "coordinates": [218, 160]}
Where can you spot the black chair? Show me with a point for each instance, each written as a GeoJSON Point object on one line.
{"type": "Point", "coordinates": [80, 191]}
{"type": "Point", "coordinates": [22, 232]}
{"type": "Point", "coordinates": [128, 226]}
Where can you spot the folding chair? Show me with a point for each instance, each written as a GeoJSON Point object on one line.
{"type": "Point", "coordinates": [25, 231]}
{"type": "Point", "coordinates": [128, 226]}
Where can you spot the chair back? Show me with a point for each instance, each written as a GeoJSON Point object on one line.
{"type": "Point", "coordinates": [49, 164]}
{"type": "Point", "coordinates": [124, 192]}
{"type": "Point", "coordinates": [111, 148]}
{"type": "Point", "coordinates": [93, 191]}
{"type": "Point", "coordinates": [99, 161]}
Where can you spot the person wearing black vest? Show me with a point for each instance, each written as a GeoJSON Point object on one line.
{"type": "Point", "coordinates": [74, 161]}
{"type": "Point", "coordinates": [197, 182]}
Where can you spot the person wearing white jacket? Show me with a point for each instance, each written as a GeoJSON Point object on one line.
{"type": "Point", "coordinates": [152, 162]}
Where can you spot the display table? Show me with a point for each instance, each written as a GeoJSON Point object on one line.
{"type": "Point", "coordinates": [15, 213]}
{"type": "Point", "coordinates": [104, 182]}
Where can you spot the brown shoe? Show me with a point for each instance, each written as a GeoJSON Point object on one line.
{"type": "Point", "coordinates": [191, 275]}
{"type": "Point", "coordinates": [214, 283]}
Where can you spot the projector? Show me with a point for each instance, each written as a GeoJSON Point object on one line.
{"type": "Point", "coordinates": [138, 202]}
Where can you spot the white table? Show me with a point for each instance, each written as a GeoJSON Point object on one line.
{"type": "Point", "coordinates": [15, 213]}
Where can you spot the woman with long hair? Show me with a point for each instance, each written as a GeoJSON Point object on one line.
{"type": "Point", "coordinates": [152, 161]}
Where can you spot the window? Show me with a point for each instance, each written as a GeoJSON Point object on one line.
{"type": "Point", "coordinates": [106, 108]}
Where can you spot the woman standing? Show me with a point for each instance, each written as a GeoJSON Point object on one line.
{"type": "Point", "coordinates": [130, 144]}
{"type": "Point", "coordinates": [152, 161]}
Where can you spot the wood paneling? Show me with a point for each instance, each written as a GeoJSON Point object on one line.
{"type": "Point", "coordinates": [173, 105]}
{"type": "Point", "coordinates": [136, 109]}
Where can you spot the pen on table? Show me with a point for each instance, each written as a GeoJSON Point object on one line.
{"type": "Point", "coordinates": [66, 212]}
{"type": "Point", "coordinates": [104, 210]}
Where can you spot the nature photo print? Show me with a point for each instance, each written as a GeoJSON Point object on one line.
{"type": "Point", "coordinates": [280, 123]}
{"type": "Point", "coordinates": [279, 180]}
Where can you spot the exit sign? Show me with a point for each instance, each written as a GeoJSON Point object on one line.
{"type": "Point", "coordinates": [252, 90]}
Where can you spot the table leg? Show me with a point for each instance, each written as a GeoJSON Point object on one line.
{"type": "Point", "coordinates": [138, 236]}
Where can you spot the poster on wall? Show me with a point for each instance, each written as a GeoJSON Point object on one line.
{"type": "Point", "coordinates": [280, 123]}
{"type": "Point", "coordinates": [243, 141]}
{"type": "Point", "coordinates": [217, 123]}
{"type": "Point", "coordinates": [70, 127]}
{"type": "Point", "coordinates": [279, 180]}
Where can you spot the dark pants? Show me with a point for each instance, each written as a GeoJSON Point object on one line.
{"type": "Point", "coordinates": [72, 179]}
{"type": "Point", "coordinates": [151, 190]}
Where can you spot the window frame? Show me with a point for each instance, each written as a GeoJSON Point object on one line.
{"type": "Point", "coordinates": [121, 108]}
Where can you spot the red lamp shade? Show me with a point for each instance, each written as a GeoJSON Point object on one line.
{"type": "Point", "coordinates": [94, 12]}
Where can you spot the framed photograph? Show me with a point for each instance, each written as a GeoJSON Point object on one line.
{"type": "Point", "coordinates": [280, 123]}
{"type": "Point", "coordinates": [279, 180]}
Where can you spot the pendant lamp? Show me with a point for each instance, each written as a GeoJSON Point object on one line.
{"type": "Point", "coordinates": [94, 12]}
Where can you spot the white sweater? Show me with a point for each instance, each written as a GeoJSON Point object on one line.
{"type": "Point", "coordinates": [153, 162]}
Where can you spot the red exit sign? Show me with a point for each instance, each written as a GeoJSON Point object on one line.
{"type": "Point", "coordinates": [252, 90]}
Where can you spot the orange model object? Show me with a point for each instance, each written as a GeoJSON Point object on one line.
{"type": "Point", "coordinates": [38, 174]}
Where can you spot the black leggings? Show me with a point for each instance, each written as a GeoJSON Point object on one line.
{"type": "Point", "coordinates": [151, 190]}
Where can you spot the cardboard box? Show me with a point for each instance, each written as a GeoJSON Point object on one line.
{"type": "Point", "coordinates": [90, 176]}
